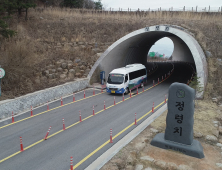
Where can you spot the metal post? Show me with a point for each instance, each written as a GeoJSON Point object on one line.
{"type": "Point", "coordinates": [1, 76]}
{"type": "Point", "coordinates": [71, 163]}
{"type": "Point", "coordinates": [47, 105]}
{"type": "Point", "coordinates": [13, 118]}
{"type": "Point", "coordinates": [63, 124]}
{"type": "Point", "coordinates": [80, 117]}
{"type": "Point", "coordinates": [61, 102]}
{"type": "Point", "coordinates": [21, 144]}
{"type": "Point", "coordinates": [84, 94]}
{"type": "Point", "coordinates": [45, 138]}
{"type": "Point", "coordinates": [153, 108]}
{"type": "Point", "coordinates": [31, 111]}
{"type": "Point", "coordinates": [73, 97]}
{"type": "Point", "coordinates": [0, 86]}
{"type": "Point", "coordinates": [135, 120]}
{"type": "Point", "coordinates": [111, 136]}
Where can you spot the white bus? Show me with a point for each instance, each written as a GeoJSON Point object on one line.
{"type": "Point", "coordinates": [121, 80]}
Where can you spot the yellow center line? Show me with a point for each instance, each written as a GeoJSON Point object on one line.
{"type": "Point", "coordinates": [87, 117]}
{"type": "Point", "coordinates": [34, 144]}
{"type": "Point", "coordinates": [104, 144]}
{"type": "Point", "coordinates": [107, 142]}
{"type": "Point", "coordinates": [10, 156]}
{"type": "Point", "coordinates": [74, 125]}
{"type": "Point", "coordinates": [48, 111]}
{"type": "Point", "coordinates": [92, 153]}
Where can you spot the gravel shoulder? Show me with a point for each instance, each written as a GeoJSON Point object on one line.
{"type": "Point", "coordinates": [140, 155]}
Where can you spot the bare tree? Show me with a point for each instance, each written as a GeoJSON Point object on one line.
{"type": "Point", "coordinates": [57, 2]}
{"type": "Point", "coordinates": [88, 4]}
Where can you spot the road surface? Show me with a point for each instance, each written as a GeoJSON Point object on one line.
{"type": "Point", "coordinates": [81, 138]}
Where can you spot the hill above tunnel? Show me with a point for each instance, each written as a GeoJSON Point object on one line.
{"type": "Point", "coordinates": [59, 45]}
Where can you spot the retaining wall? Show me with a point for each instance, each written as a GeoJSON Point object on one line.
{"type": "Point", "coordinates": [23, 103]}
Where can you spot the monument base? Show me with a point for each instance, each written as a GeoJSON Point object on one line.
{"type": "Point", "coordinates": [194, 150]}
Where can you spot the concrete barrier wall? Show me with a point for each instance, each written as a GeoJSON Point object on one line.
{"type": "Point", "coordinates": [23, 103]}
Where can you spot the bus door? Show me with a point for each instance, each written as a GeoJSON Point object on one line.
{"type": "Point", "coordinates": [126, 82]}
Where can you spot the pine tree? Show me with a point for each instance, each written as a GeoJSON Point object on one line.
{"type": "Point", "coordinates": [8, 7]}
{"type": "Point", "coordinates": [98, 5]}
{"type": "Point", "coordinates": [73, 3]}
{"type": "Point", "coordinates": [195, 84]}
{"type": "Point", "coordinates": [24, 5]}
{"type": "Point", "coordinates": [4, 31]}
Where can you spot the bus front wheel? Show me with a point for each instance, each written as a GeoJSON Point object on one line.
{"type": "Point", "coordinates": [141, 85]}
{"type": "Point", "coordinates": [127, 90]}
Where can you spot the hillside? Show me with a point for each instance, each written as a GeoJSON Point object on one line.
{"type": "Point", "coordinates": [58, 45]}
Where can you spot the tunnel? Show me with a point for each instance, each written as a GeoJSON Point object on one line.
{"type": "Point", "coordinates": [133, 48]}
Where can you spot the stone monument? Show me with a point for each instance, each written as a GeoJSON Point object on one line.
{"type": "Point", "coordinates": [179, 123]}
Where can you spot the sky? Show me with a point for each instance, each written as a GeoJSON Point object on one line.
{"type": "Point", "coordinates": [163, 46]}
{"type": "Point", "coordinates": [154, 4]}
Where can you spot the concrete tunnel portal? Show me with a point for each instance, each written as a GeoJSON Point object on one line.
{"type": "Point", "coordinates": [134, 47]}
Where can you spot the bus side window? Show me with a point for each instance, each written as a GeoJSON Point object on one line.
{"type": "Point", "coordinates": [131, 75]}
{"type": "Point", "coordinates": [138, 72]}
{"type": "Point", "coordinates": [126, 78]}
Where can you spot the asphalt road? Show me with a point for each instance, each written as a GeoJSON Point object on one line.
{"type": "Point", "coordinates": [83, 138]}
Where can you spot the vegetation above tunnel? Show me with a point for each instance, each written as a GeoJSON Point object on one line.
{"type": "Point", "coordinates": [78, 35]}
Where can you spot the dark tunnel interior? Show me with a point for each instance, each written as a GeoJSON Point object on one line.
{"type": "Point", "coordinates": [134, 47]}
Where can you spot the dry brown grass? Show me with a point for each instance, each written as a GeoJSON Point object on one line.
{"type": "Point", "coordinates": [129, 156]}
{"type": "Point", "coordinates": [205, 113]}
{"type": "Point", "coordinates": [27, 54]}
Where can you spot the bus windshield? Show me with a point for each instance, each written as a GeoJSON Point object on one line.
{"type": "Point", "coordinates": [115, 78]}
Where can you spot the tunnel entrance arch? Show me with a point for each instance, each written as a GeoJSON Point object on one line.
{"type": "Point", "coordinates": [133, 48]}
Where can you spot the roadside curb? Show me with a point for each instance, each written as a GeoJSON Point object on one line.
{"type": "Point", "coordinates": [38, 98]}
{"type": "Point", "coordinates": [106, 156]}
